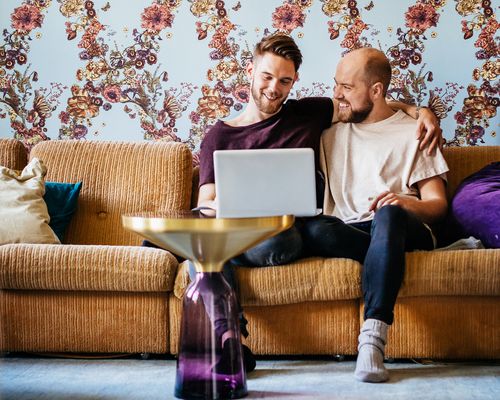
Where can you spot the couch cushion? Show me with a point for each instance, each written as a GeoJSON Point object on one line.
{"type": "Point", "coordinates": [311, 279]}
{"type": "Point", "coordinates": [23, 213]}
{"type": "Point", "coordinates": [61, 199]}
{"type": "Point", "coordinates": [118, 178]}
{"type": "Point", "coordinates": [12, 154]}
{"type": "Point", "coordinates": [70, 267]}
{"type": "Point", "coordinates": [428, 273]}
{"type": "Point", "coordinates": [452, 273]}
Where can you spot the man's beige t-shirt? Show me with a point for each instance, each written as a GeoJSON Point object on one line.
{"type": "Point", "coordinates": [360, 161]}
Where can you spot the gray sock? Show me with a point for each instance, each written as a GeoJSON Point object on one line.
{"type": "Point", "coordinates": [370, 363]}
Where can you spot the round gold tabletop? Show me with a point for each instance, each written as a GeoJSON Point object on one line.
{"type": "Point", "coordinates": [208, 242]}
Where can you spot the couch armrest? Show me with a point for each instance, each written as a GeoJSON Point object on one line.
{"type": "Point", "coordinates": [12, 154]}
{"type": "Point", "coordinates": [82, 267]}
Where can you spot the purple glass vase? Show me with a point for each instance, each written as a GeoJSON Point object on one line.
{"type": "Point", "coordinates": [207, 368]}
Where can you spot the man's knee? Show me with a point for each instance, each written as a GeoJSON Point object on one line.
{"type": "Point", "coordinates": [390, 214]}
{"type": "Point", "coordinates": [147, 243]}
{"type": "Point", "coordinates": [315, 230]}
{"type": "Point", "coordinates": [280, 249]}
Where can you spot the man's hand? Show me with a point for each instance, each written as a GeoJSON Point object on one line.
{"type": "Point", "coordinates": [428, 130]}
{"type": "Point", "coordinates": [206, 198]}
{"type": "Point", "coordinates": [429, 208]}
{"type": "Point", "coordinates": [390, 198]}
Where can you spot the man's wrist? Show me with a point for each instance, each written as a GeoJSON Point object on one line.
{"type": "Point", "coordinates": [417, 111]}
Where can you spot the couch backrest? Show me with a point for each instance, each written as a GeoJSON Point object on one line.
{"type": "Point", "coordinates": [118, 178]}
{"type": "Point", "coordinates": [464, 161]}
{"type": "Point", "coordinates": [12, 154]}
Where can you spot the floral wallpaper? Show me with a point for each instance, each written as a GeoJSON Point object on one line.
{"type": "Point", "coordinates": [168, 69]}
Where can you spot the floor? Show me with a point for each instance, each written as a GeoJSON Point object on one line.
{"type": "Point", "coordinates": [24, 377]}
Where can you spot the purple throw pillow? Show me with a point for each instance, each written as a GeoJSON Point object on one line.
{"type": "Point", "coordinates": [476, 205]}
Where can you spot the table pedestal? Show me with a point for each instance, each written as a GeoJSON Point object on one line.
{"type": "Point", "coordinates": [209, 364]}
{"type": "Point", "coordinates": [205, 367]}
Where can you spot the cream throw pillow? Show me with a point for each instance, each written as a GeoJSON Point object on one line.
{"type": "Point", "coordinates": [23, 213]}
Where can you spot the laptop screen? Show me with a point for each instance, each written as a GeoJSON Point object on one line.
{"type": "Point", "coordinates": [265, 182]}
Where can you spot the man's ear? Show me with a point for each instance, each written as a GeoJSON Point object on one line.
{"type": "Point", "coordinates": [296, 78]}
{"type": "Point", "coordinates": [250, 68]}
{"type": "Point", "coordinates": [377, 90]}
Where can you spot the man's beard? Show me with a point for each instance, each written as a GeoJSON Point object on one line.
{"type": "Point", "coordinates": [264, 104]}
{"type": "Point", "coordinates": [356, 116]}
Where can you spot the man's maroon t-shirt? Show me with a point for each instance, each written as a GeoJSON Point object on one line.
{"type": "Point", "coordinates": [298, 124]}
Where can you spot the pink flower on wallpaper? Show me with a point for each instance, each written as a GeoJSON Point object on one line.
{"type": "Point", "coordinates": [26, 18]}
{"type": "Point", "coordinates": [241, 93]}
{"type": "Point", "coordinates": [156, 17]}
{"type": "Point", "coordinates": [112, 93]}
{"type": "Point", "coordinates": [79, 131]}
{"type": "Point", "coordinates": [421, 17]}
{"type": "Point", "coordinates": [288, 17]}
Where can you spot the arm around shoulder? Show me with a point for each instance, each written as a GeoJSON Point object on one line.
{"type": "Point", "coordinates": [428, 131]}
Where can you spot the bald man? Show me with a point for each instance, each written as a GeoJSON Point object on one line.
{"type": "Point", "coordinates": [381, 193]}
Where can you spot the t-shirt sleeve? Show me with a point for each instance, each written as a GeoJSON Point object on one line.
{"type": "Point", "coordinates": [207, 148]}
{"type": "Point", "coordinates": [321, 107]}
{"type": "Point", "coordinates": [427, 166]}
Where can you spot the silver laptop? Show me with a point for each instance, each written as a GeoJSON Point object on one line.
{"type": "Point", "coordinates": [261, 183]}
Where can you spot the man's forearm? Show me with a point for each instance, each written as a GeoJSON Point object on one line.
{"type": "Point", "coordinates": [428, 211]}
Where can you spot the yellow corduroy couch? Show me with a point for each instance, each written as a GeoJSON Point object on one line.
{"type": "Point", "coordinates": [99, 292]}
{"type": "Point", "coordinates": [448, 307]}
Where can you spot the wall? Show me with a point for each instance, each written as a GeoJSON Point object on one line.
{"type": "Point", "coordinates": [167, 69]}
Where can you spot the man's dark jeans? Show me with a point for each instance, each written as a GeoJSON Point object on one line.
{"type": "Point", "coordinates": [380, 245]}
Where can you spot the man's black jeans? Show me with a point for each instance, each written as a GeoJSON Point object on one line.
{"type": "Point", "coordinates": [380, 245]}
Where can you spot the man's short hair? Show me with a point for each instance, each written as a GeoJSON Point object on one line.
{"type": "Point", "coordinates": [281, 45]}
{"type": "Point", "coordinates": [378, 69]}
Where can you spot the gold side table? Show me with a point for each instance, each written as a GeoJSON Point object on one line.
{"type": "Point", "coordinates": [208, 368]}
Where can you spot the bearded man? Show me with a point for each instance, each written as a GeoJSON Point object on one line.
{"type": "Point", "coordinates": [381, 193]}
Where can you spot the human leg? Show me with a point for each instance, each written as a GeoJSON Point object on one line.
{"type": "Point", "coordinates": [328, 236]}
{"type": "Point", "coordinates": [393, 232]}
{"type": "Point", "coordinates": [371, 346]}
{"type": "Point", "coordinates": [280, 249]}
{"type": "Point", "coordinates": [225, 333]}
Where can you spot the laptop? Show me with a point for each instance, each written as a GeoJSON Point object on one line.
{"type": "Point", "coordinates": [265, 182]}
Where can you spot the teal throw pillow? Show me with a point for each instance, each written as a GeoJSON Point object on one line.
{"type": "Point", "coordinates": [61, 200]}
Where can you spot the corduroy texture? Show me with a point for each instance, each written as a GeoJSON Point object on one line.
{"type": "Point", "coordinates": [91, 305]}
{"type": "Point", "coordinates": [325, 327]}
{"type": "Point", "coordinates": [94, 268]}
{"type": "Point", "coordinates": [446, 327]}
{"type": "Point", "coordinates": [304, 328]}
{"type": "Point", "coordinates": [471, 272]}
{"type": "Point", "coordinates": [464, 161]}
{"type": "Point", "coordinates": [91, 322]}
{"type": "Point", "coordinates": [12, 154]}
{"type": "Point", "coordinates": [118, 178]}
{"type": "Point", "coordinates": [311, 279]}
{"type": "Point", "coordinates": [459, 272]}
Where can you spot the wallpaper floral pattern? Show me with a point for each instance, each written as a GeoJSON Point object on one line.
{"type": "Point", "coordinates": [127, 73]}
